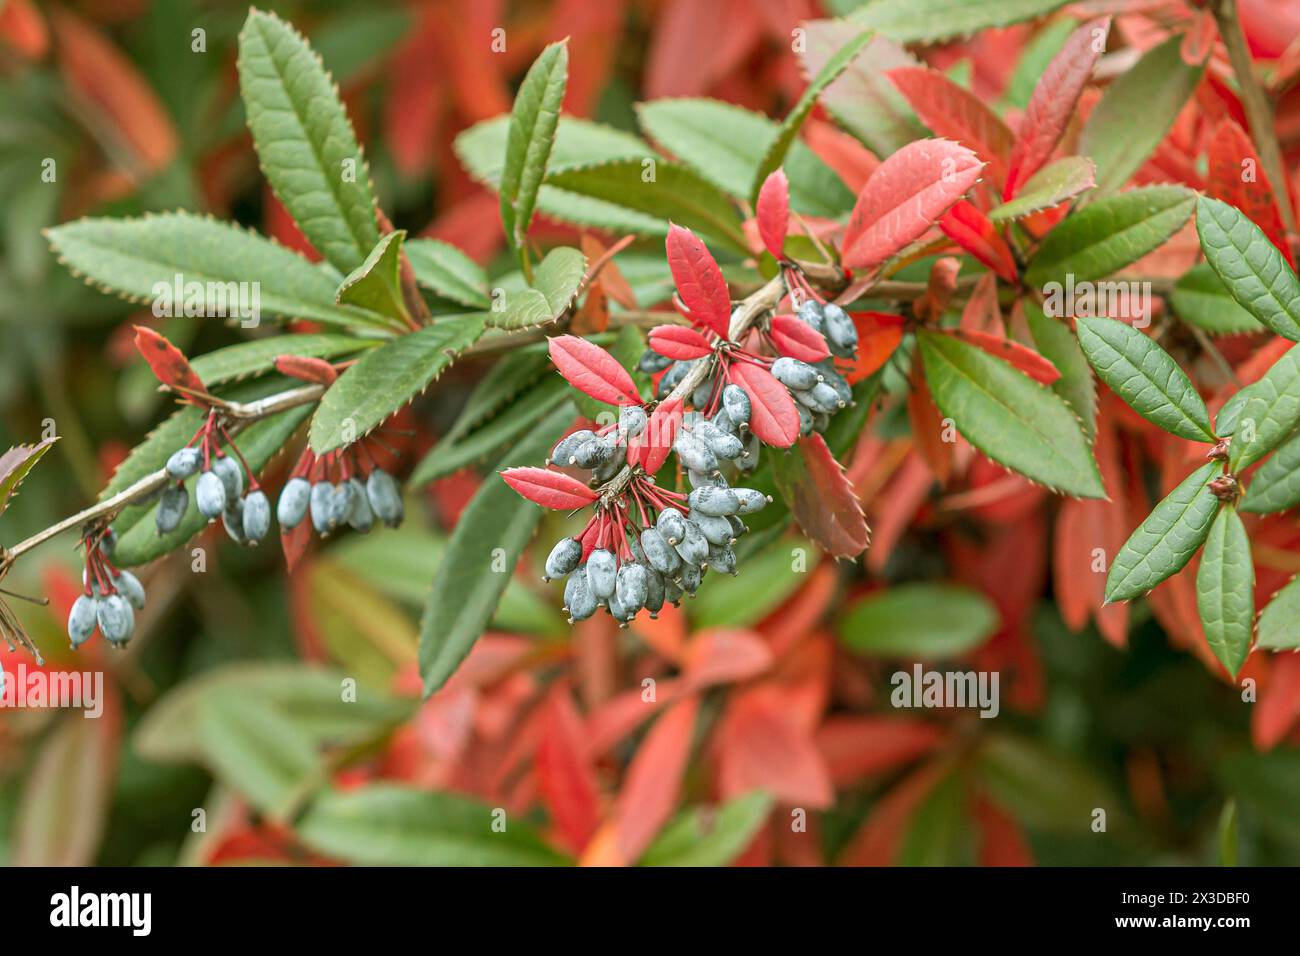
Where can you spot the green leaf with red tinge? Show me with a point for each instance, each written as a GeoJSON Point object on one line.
{"type": "Point", "coordinates": [965, 225]}
{"type": "Point", "coordinates": [1009, 417]}
{"type": "Point", "coordinates": [1049, 187]}
{"type": "Point", "coordinates": [1018, 356]}
{"type": "Point", "coordinates": [904, 197]}
{"type": "Point", "coordinates": [953, 112]}
{"type": "Point", "coordinates": [1053, 103]}
{"type": "Point", "coordinates": [821, 498]}
{"type": "Point", "coordinates": [710, 836]}
{"type": "Point", "coordinates": [15, 465]}
{"type": "Point", "coordinates": [699, 281]}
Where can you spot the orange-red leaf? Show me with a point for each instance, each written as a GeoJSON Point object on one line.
{"type": "Point", "coordinates": [565, 775]}
{"type": "Point", "coordinates": [650, 449]}
{"type": "Point", "coordinates": [725, 656]}
{"type": "Point", "coordinates": [551, 489]}
{"type": "Point", "coordinates": [859, 746]}
{"type": "Point", "coordinates": [592, 370]}
{"type": "Point", "coordinates": [763, 748]}
{"type": "Point", "coordinates": [905, 197]}
{"type": "Point", "coordinates": [773, 416]}
{"type": "Point", "coordinates": [773, 211]}
{"type": "Point", "coordinates": [797, 339]}
{"type": "Point", "coordinates": [679, 342]}
{"type": "Point", "coordinates": [1024, 359]}
{"type": "Point", "coordinates": [822, 499]}
{"type": "Point", "coordinates": [1053, 103]}
{"type": "Point", "coordinates": [167, 363]}
{"type": "Point", "coordinates": [699, 281]}
{"type": "Point", "coordinates": [879, 334]}
{"type": "Point", "coordinates": [1237, 177]}
{"type": "Point", "coordinates": [953, 112]}
{"type": "Point", "coordinates": [965, 225]}
{"type": "Point", "coordinates": [308, 368]}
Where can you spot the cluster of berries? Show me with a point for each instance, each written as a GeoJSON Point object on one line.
{"type": "Point", "coordinates": [345, 487]}
{"type": "Point", "coordinates": [220, 489]}
{"type": "Point", "coordinates": [110, 597]}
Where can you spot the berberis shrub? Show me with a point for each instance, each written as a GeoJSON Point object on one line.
{"type": "Point", "coordinates": [706, 356]}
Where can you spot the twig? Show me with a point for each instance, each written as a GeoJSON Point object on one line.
{"type": "Point", "coordinates": [1259, 112]}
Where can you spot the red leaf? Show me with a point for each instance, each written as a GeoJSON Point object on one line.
{"type": "Point", "coordinates": [763, 748]}
{"type": "Point", "coordinates": [650, 788]}
{"type": "Point", "coordinates": [822, 498]}
{"type": "Point", "coordinates": [593, 371]}
{"type": "Point", "coordinates": [1053, 103]}
{"type": "Point", "coordinates": [565, 776]}
{"type": "Point", "coordinates": [927, 424]}
{"type": "Point", "coordinates": [679, 342]}
{"type": "Point", "coordinates": [1279, 703]}
{"type": "Point", "coordinates": [1022, 358]}
{"type": "Point", "coordinates": [773, 211]}
{"type": "Point", "coordinates": [699, 281]}
{"type": "Point", "coordinates": [725, 656]}
{"type": "Point", "coordinates": [650, 449]}
{"type": "Point", "coordinates": [773, 416]}
{"type": "Point", "coordinates": [955, 113]}
{"type": "Point", "coordinates": [797, 339]}
{"type": "Point", "coordinates": [859, 746]}
{"type": "Point", "coordinates": [1198, 41]}
{"type": "Point", "coordinates": [904, 198]}
{"type": "Point", "coordinates": [168, 364]}
{"type": "Point", "coordinates": [551, 489]}
{"type": "Point", "coordinates": [22, 28]}
{"type": "Point", "coordinates": [1231, 154]}
{"type": "Point", "coordinates": [307, 368]}
{"type": "Point", "coordinates": [965, 225]}
{"type": "Point", "coordinates": [1002, 841]}
{"type": "Point", "coordinates": [879, 333]}
{"type": "Point", "coordinates": [294, 543]}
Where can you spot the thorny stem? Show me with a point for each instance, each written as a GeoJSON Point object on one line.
{"type": "Point", "coordinates": [240, 414]}
{"type": "Point", "coordinates": [1259, 112]}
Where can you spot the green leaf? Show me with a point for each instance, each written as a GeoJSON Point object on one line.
{"type": "Point", "coordinates": [1136, 111]}
{"type": "Point", "coordinates": [922, 621]}
{"type": "Point", "coordinates": [252, 358]}
{"type": "Point", "coordinates": [16, 463]}
{"type": "Point", "coordinates": [937, 833]}
{"type": "Point", "coordinates": [1279, 622]}
{"type": "Point", "coordinates": [674, 193]}
{"type": "Point", "coordinates": [775, 153]}
{"type": "Point", "coordinates": [555, 285]}
{"type": "Point", "coordinates": [492, 532]}
{"type": "Point", "coordinates": [1229, 417]}
{"type": "Point", "coordinates": [533, 121]}
{"type": "Point", "coordinates": [512, 375]}
{"type": "Point", "coordinates": [928, 21]}
{"type": "Point", "coordinates": [1009, 417]}
{"type": "Point", "coordinates": [255, 751]}
{"type": "Point", "coordinates": [305, 142]}
{"type": "Point", "coordinates": [1201, 299]}
{"type": "Point", "coordinates": [1276, 485]}
{"type": "Point", "coordinates": [389, 825]}
{"type": "Point", "coordinates": [725, 144]}
{"type": "Point", "coordinates": [376, 284]}
{"type": "Point", "coordinates": [1251, 268]}
{"type": "Point", "coordinates": [710, 837]}
{"type": "Point", "coordinates": [1049, 187]}
{"type": "Point", "coordinates": [1057, 344]}
{"type": "Point", "coordinates": [140, 259]}
{"type": "Point", "coordinates": [1139, 371]}
{"type": "Point", "coordinates": [387, 378]}
{"type": "Point", "coordinates": [863, 100]}
{"type": "Point", "coordinates": [1164, 543]}
{"type": "Point", "coordinates": [444, 269]}
{"type": "Point", "coordinates": [1044, 789]}
{"type": "Point", "coordinates": [138, 538]}
{"type": "Point", "coordinates": [1271, 413]}
{"type": "Point", "coordinates": [747, 598]}
{"type": "Point", "coordinates": [1108, 234]}
{"type": "Point", "coordinates": [1225, 590]}
{"type": "Point", "coordinates": [307, 697]}
{"type": "Point", "coordinates": [1228, 834]}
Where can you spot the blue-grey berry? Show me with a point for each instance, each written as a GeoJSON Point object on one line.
{"type": "Point", "coordinates": [723, 423]}
{"type": "Point", "coordinates": [721, 443]}
{"type": "Point", "coordinates": [841, 333]}
{"type": "Point", "coordinates": [691, 575]}
{"type": "Point", "coordinates": [578, 599]}
{"type": "Point", "coordinates": [115, 618]}
{"type": "Point", "coordinates": [714, 501]}
{"type": "Point", "coordinates": [82, 620]}
{"type": "Point", "coordinates": [826, 399]}
{"type": "Point", "coordinates": [257, 516]}
{"type": "Point", "coordinates": [654, 592]}
{"type": "Point", "coordinates": [750, 500]}
{"type": "Point", "coordinates": [593, 452]}
{"type": "Point", "coordinates": [659, 553]}
{"type": "Point", "coordinates": [703, 392]}
{"type": "Point", "coordinates": [322, 493]}
{"type": "Point", "coordinates": [671, 525]}
{"type": "Point", "coordinates": [564, 450]}
{"type": "Point", "coordinates": [210, 495]}
{"type": "Point", "coordinates": [722, 559]}
{"type": "Point", "coordinates": [693, 453]}
{"type": "Point", "coordinates": [361, 517]}
{"type": "Point", "coordinates": [631, 588]}
{"type": "Point", "coordinates": [385, 497]}
{"type": "Point", "coordinates": [618, 611]}
{"type": "Point", "coordinates": [233, 520]}
{"type": "Point", "coordinates": [564, 557]}
{"type": "Point", "coordinates": [173, 504]}
{"type": "Point", "coordinates": [672, 591]}
{"type": "Point", "coordinates": [184, 463]}
{"type": "Point", "coordinates": [231, 475]}
{"type": "Point", "coordinates": [735, 402]}
{"type": "Point", "coordinates": [749, 460]}
{"type": "Point", "coordinates": [700, 479]}
{"type": "Point", "coordinates": [694, 547]}
{"type": "Point", "coordinates": [631, 421]}
{"type": "Point", "coordinates": [340, 504]}
{"type": "Point", "coordinates": [292, 506]}
{"type": "Point", "coordinates": [811, 314]}
{"type": "Point", "coordinates": [601, 573]}
{"type": "Point", "coordinates": [738, 527]}
{"type": "Point", "coordinates": [716, 530]}
{"type": "Point", "coordinates": [652, 362]}
{"type": "Point", "coordinates": [795, 374]}
{"type": "Point", "coordinates": [129, 586]}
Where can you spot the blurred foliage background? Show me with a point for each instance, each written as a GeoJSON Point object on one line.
{"type": "Point", "coordinates": [775, 709]}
